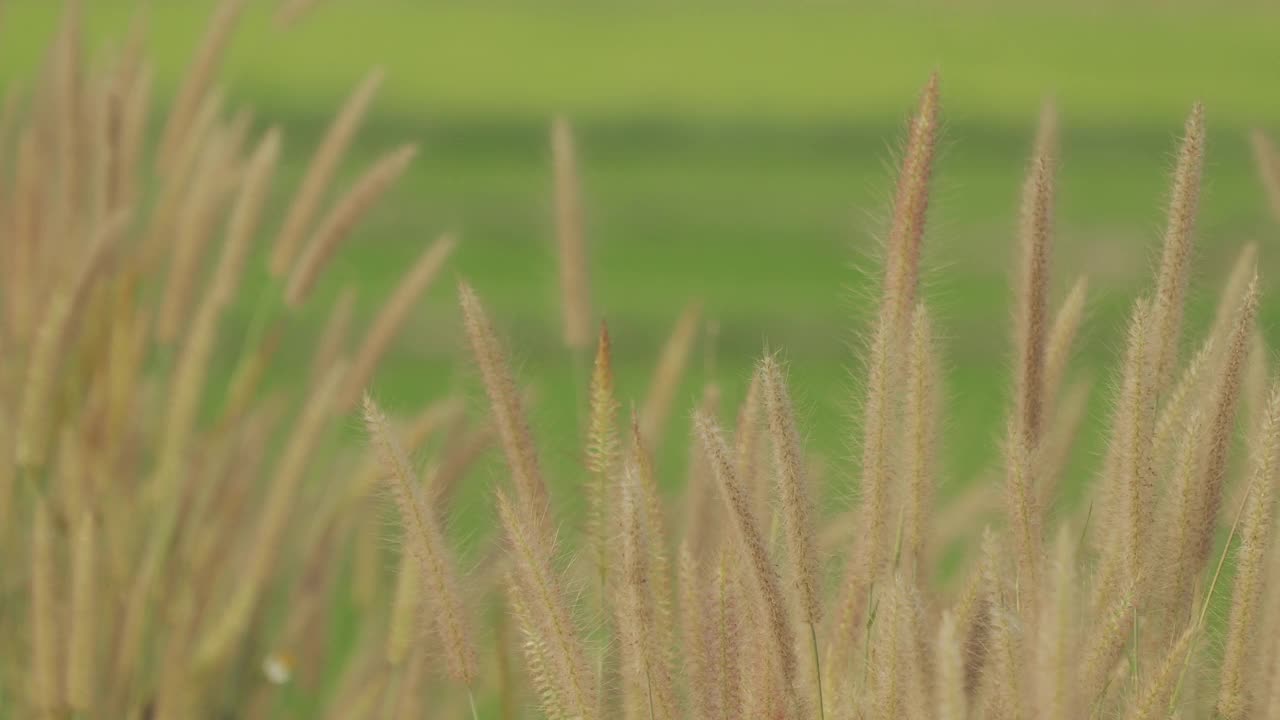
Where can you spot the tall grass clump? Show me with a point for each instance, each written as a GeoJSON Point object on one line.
{"type": "Point", "coordinates": [163, 502]}
{"type": "Point", "coordinates": [188, 538]}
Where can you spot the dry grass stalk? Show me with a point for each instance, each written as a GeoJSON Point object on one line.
{"type": "Point", "coordinates": [701, 503]}
{"type": "Point", "coordinates": [1175, 261]}
{"type": "Point", "coordinates": [1000, 680]}
{"type": "Point", "coordinates": [793, 491]}
{"type": "Point", "coordinates": [747, 442]}
{"type": "Point", "coordinates": [574, 683]}
{"type": "Point", "coordinates": [728, 629]}
{"type": "Point", "coordinates": [1136, 472]}
{"type": "Point", "coordinates": [505, 404]}
{"type": "Point", "coordinates": [1035, 238]}
{"type": "Point", "coordinates": [1023, 508]}
{"type": "Point", "coordinates": [1200, 499]}
{"type": "Point", "coordinates": [920, 440]}
{"type": "Point", "coordinates": [898, 300]}
{"type": "Point", "coordinates": [1155, 698]}
{"type": "Point", "coordinates": [46, 686]}
{"type": "Point", "coordinates": [537, 656]}
{"type": "Point", "coordinates": [672, 361]}
{"type": "Point", "coordinates": [952, 701]}
{"type": "Point", "coordinates": [291, 12]}
{"type": "Point", "coordinates": [603, 454]}
{"type": "Point", "coordinates": [655, 528]}
{"type": "Point", "coordinates": [50, 347]}
{"type": "Point", "coordinates": [1061, 343]}
{"type": "Point", "coordinates": [751, 539]}
{"type": "Point", "coordinates": [1242, 272]}
{"type": "Point", "coordinates": [334, 338]}
{"type": "Point", "coordinates": [1236, 682]}
{"type": "Point", "coordinates": [910, 209]}
{"type": "Point", "coordinates": [279, 505]}
{"type": "Point", "coordinates": [575, 286]}
{"type": "Point", "coordinates": [700, 665]}
{"type": "Point", "coordinates": [638, 618]}
{"type": "Point", "coordinates": [898, 687]}
{"type": "Point", "coordinates": [1267, 159]}
{"type": "Point", "coordinates": [190, 373]}
{"type": "Point", "coordinates": [179, 174]}
{"type": "Point", "coordinates": [336, 226]}
{"type": "Point", "coordinates": [425, 542]}
{"type": "Point", "coordinates": [199, 77]}
{"type": "Point", "coordinates": [1183, 399]}
{"type": "Point", "coordinates": [82, 632]}
{"type": "Point", "coordinates": [195, 229]}
{"type": "Point", "coordinates": [1070, 416]}
{"type": "Point", "coordinates": [1054, 646]}
{"type": "Point", "coordinates": [391, 318]}
{"type": "Point", "coordinates": [324, 164]}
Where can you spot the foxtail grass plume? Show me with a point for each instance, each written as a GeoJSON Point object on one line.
{"type": "Point", "coordinates": [425, 541]}
{"type": "Point", "coordinates": [1035, 240]}
{"type": "Point", "coordinates": [324, 164]}
{"type": "Point", "coordinates": [391, 318]}
{"type": "Point", "coordinates": [603, 453]}
{"type": "Point", "coordinates": [1267, 159]}
{"type": "Point", "coordinates": [1236, 681]}
{"type": "Point", "coordinates": [575, 287]}
{"type": "Point", "coordinates": [504, 403]}
{"type": "Point", "coordinates": [751, 540]}
{"type": "Point", "coordinates": [882, 383]}
{"type": "Point", "coordinates": [1175, 262]}
{"type": "Point", "coordinates": [672, 362]}
{"type": "Point", "coordinates": [367, 190]}
{"type": "Point", "coordinates": [1061, 341]}
{"type": "Point", "coordinates": [200, 75]}
{"type": "Point", "coordinates": [793, 491]}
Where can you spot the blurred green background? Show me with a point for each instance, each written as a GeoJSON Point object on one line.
{"type": "Point", "coordinates": [740, 154]}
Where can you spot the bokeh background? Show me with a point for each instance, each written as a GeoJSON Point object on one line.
{"type": "Point", "coordinates": [740, 154]}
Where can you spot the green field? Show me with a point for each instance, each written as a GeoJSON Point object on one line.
{"type": "Point", "coordinates": [740, 154]}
